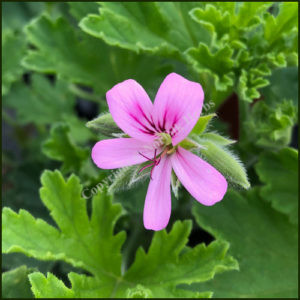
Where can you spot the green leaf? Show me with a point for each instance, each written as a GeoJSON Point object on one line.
{"type": "Point", "coordinates": [13, 47]}
{"type": "Point", "coordinates": [285, 21]}
{"type": "Point", "coordinates": [262, 239]}
{"type": "Point", "coordinates": [224, 161]}
{"type": "Point", "coordinates": [42, 287]}
{"type": "Point", "coordinates": [159, 27]}
{"type": "Point", "coordinates": [249, 14]}
{"type": "Point", "coordinates": [218, 64]}
{"type": "Point", "coordinates": [216, 21]}
{"type": "Point", "coordinates": [209, 33]}
{"type": "Point", "coordinates": [283, 85]}
{"type": "Point", "coordinates": [139, 292]}
{"type": "Point", "coordinates": [15, 15]}
{"type": "Point", "coordinates": [60, 147]}
{"type": "Point", "coordinates": [270, 126]}
{"type": "Point", "coordinates": [20, 189]}
{"type": "Point", "coordinates": [105, 124]}
{"type": "Point", "coordinates": [93, 239]}
{"type": "Point", "coordinates": [231, 28]}
{"type": "Point", "coordinates": [202, 124]}
{"type": "Point", "coordinates": [42, 102]}
{"type": "Point", "coordinates": [15, 283]}
{"type": "Point", "coordinates": [163, 261]}
{"type": "Point", "coordinates": [47, 35]}
{"type": "Point", "coordinates": [89, 57]}
{"type": "Point", "coordinates": [159, 270]}
{"type": "Point", "coordinates": [80, 9]}
{"type": "Point", "coordinates": [223, 43]}
{"type": "Point", "coordinates": [279, 172]}
{"type": "Point", "coordinates": [79, 133]}
{"type": "Point", "coordinates": [249, 84]}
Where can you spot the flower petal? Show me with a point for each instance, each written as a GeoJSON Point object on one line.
{"type": "Point", "coordinates": [157, 209]}
{"type": "Point", "coordinates": [204, 182]}
{"type": "Point", "coordinates": [177, 106]}
{"type": "Point", "coordinates": [131, 109]}
{"type": "Point", "coordinates": [122, 152]}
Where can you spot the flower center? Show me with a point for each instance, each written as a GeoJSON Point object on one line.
{"type": "Point", "coordinates": [164, 141]}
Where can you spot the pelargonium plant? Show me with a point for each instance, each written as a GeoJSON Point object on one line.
{"type": "Point", "coordinates": [117, 116]}
{"type": "Point", "coordinates": [155, 132]}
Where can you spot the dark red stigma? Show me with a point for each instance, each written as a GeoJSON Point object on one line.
{"type": "Point", "coordinates": [154, 162]}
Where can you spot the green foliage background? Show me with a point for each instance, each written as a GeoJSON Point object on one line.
{"type": "Point", "coordinates": [58, 59]}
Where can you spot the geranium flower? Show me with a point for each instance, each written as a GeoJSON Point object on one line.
{"type": "Point", "coordinates": [155, 131]}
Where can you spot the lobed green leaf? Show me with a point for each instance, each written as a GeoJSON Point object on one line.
{"type": "Point", "coordinates": [270, 126]}
{"type": "Point", "coordinates": [152, 27]}
{"type": "Point", "coordinates": [89, 56]}
{"type": "Point", "coordinates": [90, 243]}
{"type": "Point", "coordinates": [13, 47]}
{"type": "Point", "coordinates": [279, 172]}
{"type": "Point", "coordinates": [262, 239]}
{"type": "Point", "coordinates": [224, 44]}
{"type": "Point", "coordinates": [15, 283]}
{"type": "Point", "coordinates": [42, 102]}
{"type": "Point", "coordinates": [60, 147]}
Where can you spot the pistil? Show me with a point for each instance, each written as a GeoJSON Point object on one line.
{"type": "Point", "coordinates": [154, 162]}
{"type": "Point", "coordinates": [156, 158]}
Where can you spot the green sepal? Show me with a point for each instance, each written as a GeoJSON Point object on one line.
{"type": "Point", "coordinates": [188, 144]}
{"type": "Point", "coordinates": [128, 177]}
{"type": "Point", "coordinates": [105, 125]}
{"type": "Point", "coordinates": [225, 162]}
{"type": "Point", "coordinates": [217, 139]}
{"type": "Point", "coordinates": [122, 179]}
{"type": "Point", "coordinates": [202, 124]}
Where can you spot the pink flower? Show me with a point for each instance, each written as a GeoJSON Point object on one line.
{"type": "Point", "coordinates": [155, 132]}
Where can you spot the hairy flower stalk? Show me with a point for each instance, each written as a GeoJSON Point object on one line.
{"type": "Point", "coordinates": [156, 130]}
